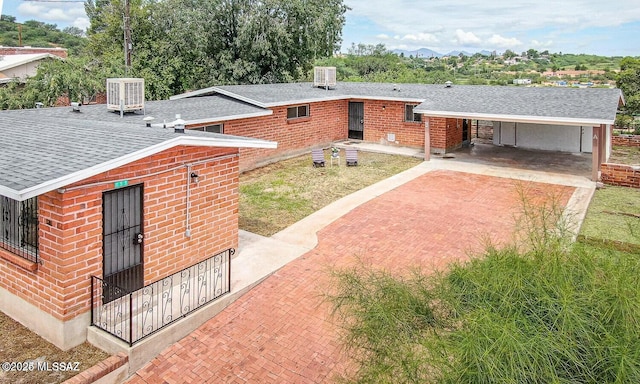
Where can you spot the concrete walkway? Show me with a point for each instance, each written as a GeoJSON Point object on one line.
{"type": "Point", "coordinates": [281, 330]}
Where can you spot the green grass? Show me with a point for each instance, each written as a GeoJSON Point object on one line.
{"type": "Point", "coordinates": [614, 215]}
{"type": "Point", "coordinates": [275, 196]}
{"type": "Point", "coordinates": [552, 312]}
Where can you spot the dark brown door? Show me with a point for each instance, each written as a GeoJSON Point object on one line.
{"type": "Point", "coordinates": [122, 241]}
{"type": "Point", "coordinates": [356, 120]}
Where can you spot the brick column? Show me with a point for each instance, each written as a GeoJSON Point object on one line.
{"type": "Point", "coordinates": [427, 140]}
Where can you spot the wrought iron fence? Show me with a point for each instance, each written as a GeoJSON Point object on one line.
{"type": "Point", "coordinates": [132, 316]}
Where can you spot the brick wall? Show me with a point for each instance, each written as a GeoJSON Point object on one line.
{"type": "Point", "coordinates": [61, 52]}
{"type": "Point", "coordinates": [620, 174]}
{"type": "Point", "coordinates": [384, 117]}
{"type": "Point", "coordinates": [326, 123]}
{"type": "Point", "coordinates": [71, 227]}
{"type": "Point", "coordinates": [626, 140]}
{"type": "Point", "coordinates": [445, 134]}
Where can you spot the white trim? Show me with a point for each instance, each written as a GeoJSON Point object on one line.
{"type": "Point", "coordinates": [198, 92]}
{"type": "Point", "coordinates": [74, 177]}
{"type": "Point", "coordinates": [8, 64]}
{"type": "Point", "coordinates": [266, 112]}
{"type": "Point", "coordinates": [514, 118]}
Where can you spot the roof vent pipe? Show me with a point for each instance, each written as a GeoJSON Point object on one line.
{"type": "Point", "coordinates": [148, 120]}
{"type": "Point", "coordinates": [448, 84]}
{"type": "Point", "coordinates": [76, 106]}
{"type": "Point", "coordinates": [178, 125]}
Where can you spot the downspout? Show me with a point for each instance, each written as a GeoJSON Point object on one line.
{"type": "Point", "coordinates": [188, 219]}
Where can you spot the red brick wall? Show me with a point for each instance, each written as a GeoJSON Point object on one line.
{"type": "Point", "coordinates": [626, 140]}
{"type": "Point", "coordinates": [384, 117]}
{"type": "Point", "coordinates": [620, 174]}
{"type": "Point", "coordinates": [61, 52]}
{"type": "Point", "coordinates": [327, 123]}
{"type": "Point", "coordinates": [445, 134]}
{"type": "Point", "coordinates": [71, 227]}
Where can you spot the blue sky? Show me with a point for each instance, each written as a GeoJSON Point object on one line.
{"type": "Point", "coordinates": [569, 26]}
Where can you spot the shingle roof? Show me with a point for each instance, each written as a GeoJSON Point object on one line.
{"type": "Point", "coordinates": [590, 106]}
{"type": "Point", "coordinates": [48, 148]}
{"type": "Point", "coordinates": [561, 105]}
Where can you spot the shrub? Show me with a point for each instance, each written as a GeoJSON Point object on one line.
{"type": "Point", "coordinates": [539, 311]}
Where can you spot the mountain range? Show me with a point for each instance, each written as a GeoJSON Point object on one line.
{"type": "Point", "coordinates": [426, 53]}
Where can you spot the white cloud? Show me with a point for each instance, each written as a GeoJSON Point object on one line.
{"type": "Point", "coordinates": [495, 23]}
{"type": "Point", "coordinates": [539, 44]}
{"type": "Point", "coordinates": [466, 38]}
{"type": "Point", "coordinates": [60, 13]}
{"type": "Point", "coordinates": [504, 42]}
{"type": "Point", "coordinates": [383, 36]}
{"type": "Point", "coordinates": [427, 38]}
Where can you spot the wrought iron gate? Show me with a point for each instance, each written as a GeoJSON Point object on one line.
{"type": "Point", "coordinates": [356, 120]}
{"type": "Point", "coordinates": [122, 241]}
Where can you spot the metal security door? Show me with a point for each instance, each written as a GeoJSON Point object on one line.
{"type": "Point", "coordinates": [356, 120]}
{"type": "Point", "coordinates": [122, 241]}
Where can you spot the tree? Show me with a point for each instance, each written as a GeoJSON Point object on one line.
{"type": "Point", "coordinates": [179, 45]}
{"type": "Point", "coordinates": [629, 82]}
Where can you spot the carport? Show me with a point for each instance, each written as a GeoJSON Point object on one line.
{"type": "Point", "coordinates": [549, 119]}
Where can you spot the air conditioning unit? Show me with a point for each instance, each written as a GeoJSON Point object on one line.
{"type": "Point", "coordinates": [125, 94]}
{"type": "Point", "coordinates": [324, 77]}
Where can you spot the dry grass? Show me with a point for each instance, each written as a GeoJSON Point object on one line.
{"type": "Point", "coordinates": [19, 344]}
{"type": "Point", "coordinates": [275, 196]}
{"type": "Point", "coordinates": [625, 155]}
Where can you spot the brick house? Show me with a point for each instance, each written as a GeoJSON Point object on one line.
{"type": "Point", "coordinates": [89, 193]}
{"type": "Point", "coordinates": [67, 173]}
{"type": "Point", "coordinates": [554, 119]}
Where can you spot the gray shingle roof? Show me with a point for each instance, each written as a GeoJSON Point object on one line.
{"type": "Point", "coordinates": [45, 149]}
{"type": "Point", "coordinates": [563, 105]}
{"type": "Point", "coordinates": [590, 106]}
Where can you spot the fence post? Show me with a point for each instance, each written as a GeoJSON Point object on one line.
{"type": "Point", "coordinates": [130, 319]}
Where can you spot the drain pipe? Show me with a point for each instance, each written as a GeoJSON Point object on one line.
{"type": "Point", "coordinates": [188, 219]}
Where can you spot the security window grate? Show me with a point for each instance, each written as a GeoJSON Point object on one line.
{"type": "Point", "coordinates": [19, 227]}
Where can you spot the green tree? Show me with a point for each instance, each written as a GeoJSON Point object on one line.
{"type": "Point", "coordinates": [180, 45]}
{"type": "Point", "coordinates": [629, 82]}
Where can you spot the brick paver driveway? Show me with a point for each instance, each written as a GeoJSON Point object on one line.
{"type": "Point", "coordinates": [281, 331]}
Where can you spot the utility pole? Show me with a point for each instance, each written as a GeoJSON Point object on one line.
{"type": "Point", "coordinates": [127, 37]}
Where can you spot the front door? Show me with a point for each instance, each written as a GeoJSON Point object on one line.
{"type": "Point", "coordinates": [356, 120]}
{"type": "Point", "coordinates": [122, 241]}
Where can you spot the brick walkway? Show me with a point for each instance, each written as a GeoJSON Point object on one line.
{"type": "Point", "coordinates": [280, 331]}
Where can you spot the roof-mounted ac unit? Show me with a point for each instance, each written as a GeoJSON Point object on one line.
{"type": "Point", "coordinates": [125, 94]}
{"type": "Point", "coordinates": [324, 77]}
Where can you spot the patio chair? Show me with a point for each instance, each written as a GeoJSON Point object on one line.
{"type": "Point", "coordinates": [351, 156]}
{"type": "Point", "coordinates": [317, 155]}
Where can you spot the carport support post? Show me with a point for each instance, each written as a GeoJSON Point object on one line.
{"type": "Point", "coordinates": [427, 139]}
{"type": "Point", "coordinates": [595, 153]}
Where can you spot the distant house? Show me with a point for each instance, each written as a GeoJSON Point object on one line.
{"type": "Point", "coordinates": [19, 67]}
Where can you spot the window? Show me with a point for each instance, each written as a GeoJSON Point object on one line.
{"type": "Point", "coordinates": [410, 116]}
{"type": "Point", "coordinates": [216, 128]}
{"type": "Point", "coordinates": [298, 111]}
{"type": "Point", "coordinates": [19, 227]}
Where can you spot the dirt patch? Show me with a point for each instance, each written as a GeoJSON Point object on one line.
{"type": "Point", "coordinates": [33, 355]}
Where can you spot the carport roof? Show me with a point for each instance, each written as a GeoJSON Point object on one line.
{"type": "Point", "coordinates": [556, 105]}
{"type": "Point", "coordinates": [548, 105]}
{"type": "Point", "coordinates": [49, 148]}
